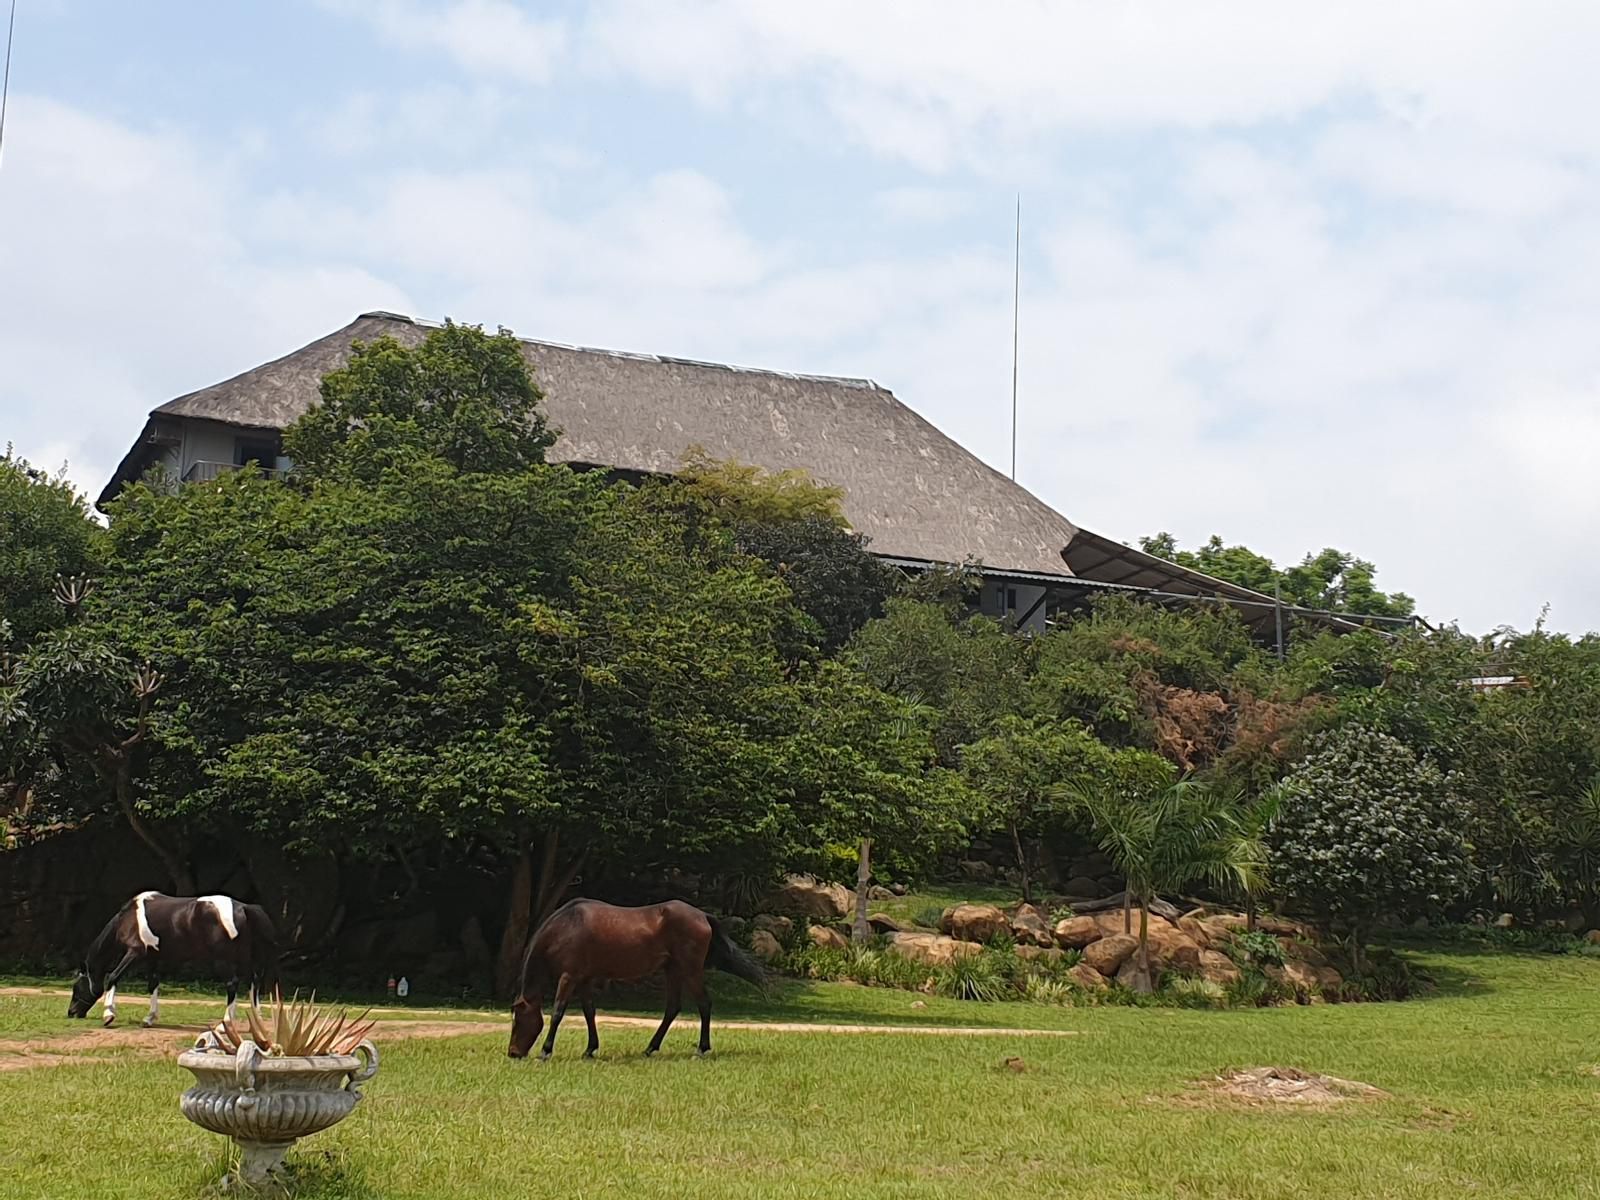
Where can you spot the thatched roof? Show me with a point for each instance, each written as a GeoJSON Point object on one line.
{"type": "Point", "coordinates": [915, 493]}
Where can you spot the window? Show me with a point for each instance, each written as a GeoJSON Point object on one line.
{"type": "Point", "coordinates": [263, 453]}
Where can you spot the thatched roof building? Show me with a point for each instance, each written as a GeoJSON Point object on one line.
{"type": "Point", "coordinates": [918, 496]}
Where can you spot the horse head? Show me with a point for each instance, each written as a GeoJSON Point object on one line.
{"type": "Point", "coordinates": [527, 1020]}
{"type": "Point", "coordinates": [84, 994]}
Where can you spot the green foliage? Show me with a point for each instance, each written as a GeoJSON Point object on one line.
{"type": "Point", "coordinates": [1367, 831]}
{"type": "Point", "coordinates": [746, 494]}
{"type": "Point", "coordinates": [928, 916]}
{"type": "Point", "coordinates": [1254, 989]}
{"type": "Point", "coordinates": [835, 581]}
{"type": "Point", "coordinates": [462, 397]}
{"type": "Point", "coordinates": [1331, 579]}
{"type": "Point", "coordinates": [46, 531]}
{"type": "Point", "coordinates": [1381, 975]}
{"type": "Point", "coordinates": [1258, 948]}
{"type": "Point", "coordinates": [1184, 992]}
{"type": "Point", "coordinates": [983, 977]}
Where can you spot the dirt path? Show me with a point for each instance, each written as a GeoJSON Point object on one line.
{"type": "Point", "coordinates": [87, 1046]}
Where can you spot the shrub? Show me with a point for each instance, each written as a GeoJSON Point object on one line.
{"type": "Point", "coordinates": [1041, 989]}
{"type": "Point", "coordinates": [1383, 975]}
{"type": "Point", "coordinates": [1060, 913]}
{"type": "Point", "coordinates": [1254, 990]}
{"type": "Point", "coordinates": [1185, 992]}
{"type": "Point", "coordinates": [928, 916]}
{"type": "Point", "coordinates": [1257, 947]}
{"type": "Point", "coordinates": [976, 977]}
{"type": "Point", "coordinates": [1365, 830]}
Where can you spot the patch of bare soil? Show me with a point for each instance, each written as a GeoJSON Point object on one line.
{"type": "Point", "coordinates": [1289, 1085]}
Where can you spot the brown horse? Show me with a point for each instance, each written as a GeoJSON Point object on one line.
{"type": "Point", "coordinates": [235, 940]}
{"type": "Point", "coordinates": [586, 942]}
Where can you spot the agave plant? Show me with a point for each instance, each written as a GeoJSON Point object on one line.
{"type": "Point", "coordinates": [294, 1028]}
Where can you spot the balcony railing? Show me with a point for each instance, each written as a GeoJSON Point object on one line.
{"type": "Point", "coordinates": [205, 472]}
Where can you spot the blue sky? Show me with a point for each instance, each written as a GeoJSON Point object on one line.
{"type": "Point", "coordinates": [1296, 274]}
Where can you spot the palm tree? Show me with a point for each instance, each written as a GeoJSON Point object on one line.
{"type": "Point", "coordinates": [1164, 836]}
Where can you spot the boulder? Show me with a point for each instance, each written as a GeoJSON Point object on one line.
{"type": "Point", "coordinates": [803, 896]}
{"type": "Point", "coordinates": [898, 889]}
{"type": "Point", "coordinates": [974, 922]}
{"type": "Point", "coordinates": [1077, 932]}
{"type": "Point", "coordinates": [1504, 921]}
{"type": "Point", "coordinates": [1592, 937]}
{"type": "Point", "coordinates": [1111, 922]}
{"type": "Point", "coordinates": [930, 949]}
{"type": "Point", "coordinates": [1331, 982]}
{"type": "Point", "coordinates": [1128, 973]}
{"type": "Point", "coordinates": [825, 938]}
{"type": "Point", "coordinates": [1221, 928]}
{"type": "Point", "coordinates": [779, 927]}
{"type": "Point", "coordinates": [1305, 952]}
{"type": "Point", "coordinates": [1280, 927]}
{"type": "Point", "coordinates": [1300, 977]}
{"type": "Point", "coordinates": [1110, 952]}
{"type": "Point", "coordinates": [883, 923]}
{"type": "Point", "coordinates": [1192, 928]}
{"type": "Point", "coordinates": [1173, 950]}
{"type": "Point", "coordinates": [1047, 954]}
{"type": "Point", "coordinates": [765, 947]}
{"type": "Point", "coordinates": [1216, 967]}
{"type": "Point", "coordinates": [1088, 978]}
{"type": "Point", "coordinates": [735, 926]}
{"type": "Point", "coordinates": [1081, 886]}
{"type": "Point", "coordinates": [976, 870]}
{"type": "Point", "coordinates": [1029, 927]}
{"type": "Point", "coordinates": [879, 892]}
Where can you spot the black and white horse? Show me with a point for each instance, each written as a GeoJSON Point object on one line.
{"type": "Point", "coordinates": [234, 940]}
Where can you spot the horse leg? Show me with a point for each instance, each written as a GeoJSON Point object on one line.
{"type": "Point", "coordinates": [233, 998]}
{"type": "Point", "coordinates": [563, 997]}
{"type": "Point", "coordinates": [154, 1014]}
{"type": "Point", "coordinates": [674, 1002]}
{"type": "Point", "coordinates": [697, 989]}
{"type": "Point", "coordinates": [588, 1019]}
{"type": "Point", "coordinates": [109, 1014]}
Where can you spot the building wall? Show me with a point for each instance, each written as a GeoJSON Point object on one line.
{"type": "Point", "coordinates": [1010, 600]}
{"type": "Point", "coordinates": [211, 442]}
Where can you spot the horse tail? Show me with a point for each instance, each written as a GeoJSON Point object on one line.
{"type": "Point", "coordinates": [724, 955]}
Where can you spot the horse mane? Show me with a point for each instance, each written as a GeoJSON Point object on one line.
{"type": "Point", "coordinates": [97, 948]}
{"type": "Point", "coordinates": [533, 939]}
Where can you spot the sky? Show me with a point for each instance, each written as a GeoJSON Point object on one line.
{"type": "Point", "coordinates": [1298, 274]}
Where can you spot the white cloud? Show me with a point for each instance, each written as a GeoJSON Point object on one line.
{"type": "Point", "coordinates": [490, 36]}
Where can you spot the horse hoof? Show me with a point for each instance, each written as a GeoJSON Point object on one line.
{"type": "Point", "coordinates": [147, 1023]}
{"type": "Point", "coordinates": [545, 1056]}
{"type": "Point", "coordinates": [107, 1022]}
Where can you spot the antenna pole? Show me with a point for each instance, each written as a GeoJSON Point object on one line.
{"type": "Point", "coordinates": [1016, 305]}
{"type": "Point", "coordinates": [5, 87]}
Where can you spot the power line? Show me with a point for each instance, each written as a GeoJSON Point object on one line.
{"type": "Point", "coordinates": [5, 84]}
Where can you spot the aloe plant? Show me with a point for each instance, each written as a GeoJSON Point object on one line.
{"type": "Point", "coordinates": [295, 1027]}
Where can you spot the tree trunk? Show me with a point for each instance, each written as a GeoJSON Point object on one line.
{"type": "Point", "coordinates": [1144, 984]}
{"type": "Point", "coordinates": [120, 768]}
{"type": "Point", "coordinates": [519, 913]}
{"type": "Point", "coordinates": [1250, 912]}
{"type": "Point", "coordinates": [1127, 909]}
{"type": "Point", "coordinates": [1022, 865]}
{"type": "Point", "coordinates": [1358, 952]}
{"type": "Point", "coordinates": [862, 931]}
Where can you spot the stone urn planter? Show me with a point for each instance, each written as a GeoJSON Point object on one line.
{"type": "Point", "coordinates": [267, 1103]}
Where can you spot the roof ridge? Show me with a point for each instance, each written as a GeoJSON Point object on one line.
{"type": "Point", "coordinates": [855, 381]}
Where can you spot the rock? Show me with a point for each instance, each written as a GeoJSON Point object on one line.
{"type": "Point", "coordinates": [1216, 967]}
{"type": "Point", "coordinates": [1047, 954]}
{"type": "Point", "coordinates": [978, 872]}
{"type": "Point", "coordinates": [765, 947]}
{"type": "Point", "coordinates": [1088, 978]}
{"type": "Point", "coordinates": [1279, 927]}
{"type": "Point", "coordinates": [825, 938]}
{"type": "Point", "coordinates": [1111, 922]}
{"type": "Point", "coordinates": [1504, 921]}
{"type": "Point", "coordinates": [899, 889]}
{"type": "Point", "coordinates": [735, 926]}
{"type": "Point", "coordinates": [803, 896]}
{"type": "Point", "coordinates": [878, 892]}
{"type": "Point", "coordinates": [919, 1004]}
{"type": "Point", "coordinates": [1304, 952]}
{"type": "Point", "coordinates": [1091, 865]}
{"type": "Point", "coordinates": [931, 949]}
{"type": "Point", "coordinates": [1592, 937]}
{"type": "Point", "coordinates": [1221, 928]}
{"type": "Point", "coordinates": [974, 922]}
{"type": "Point", "coordinates": [779, 927]}
{"type": "Point", "coordinates": [1077, 932]}
{"type": "Point", "coordinates": [1300, 977]}
{"type": "Point", "coordinates": [1110, 952]}
{"type": "Point", "coordinates": [1081, 886]}
{"type": "Point", "coordinates": [883, 923]}
{"type": "Point", "coordinates": [1192, 928]}
{"type": "Point", "coordinates": [1574, 921]}
{"type": "Point", "coordinates": [1173, 950]}
{"type": "Point", "coordinates": [1015, 1064]}
{"type": "Point", "coordinates": [1128, 974]}
{"type": "Point", "coordinates": [1028, 925]}
{"type": "Point", "coordinates": [1330, 981]}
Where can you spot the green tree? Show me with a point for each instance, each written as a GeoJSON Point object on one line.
{"type": "Point", "coordinates": [46, 531]}
{"type": "Point", "coordinates": [1018, 771]}
{"type": "Point", "coordinates": [1162, 833]}
{"type": "Point", "coordinates": [1329, 579]}
{"type": "Point", "coordinates": [1365, 831]}
{"type": "Point", "coordinates": [462, 396]}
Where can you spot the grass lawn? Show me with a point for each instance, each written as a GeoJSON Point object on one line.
{"type": "Point", "coordinates": [1493, 1081]}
